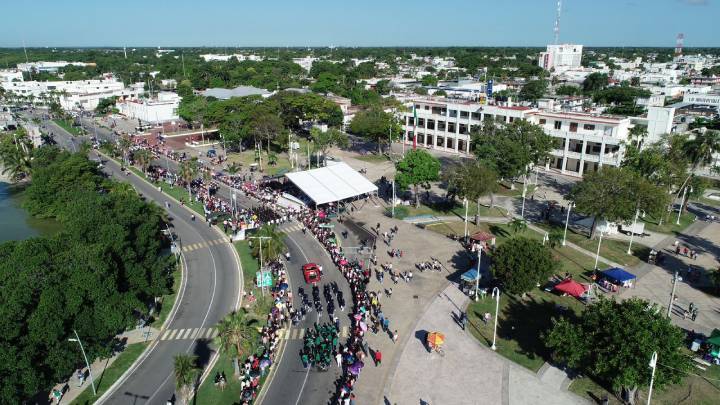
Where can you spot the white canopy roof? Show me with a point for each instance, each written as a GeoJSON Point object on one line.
{"type": "Point", "coordinates": [331, 183]}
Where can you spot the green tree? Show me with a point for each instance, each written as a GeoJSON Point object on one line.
{"type": "Point", "coordinates": [555, 237]}
{"type": "Point", "coordinates": [533, 90]}
{"type": "Point", "coordinates": [266, 125]}
{"type": "Point", "coordinates": [512, 148]}
{"type": "Point", "coordinates": [16, 154]}
{"type": "Point", "coordinates": [567, 90]}
{"type": "Point", "coordinates": [615, 194]}
{"type": "Point", "coordinates": [383, 86]}
{"type": "Point", "coordinates": [473, 181]}
{"type": "Point", "coordinates": [418, 168]}
{"type": "Point", "coordinates": [186, 372]}
{"type": "Point", "coordinates": [375, 125]}
{"type": "Point", "coordinates": [189, 170]}
{"type": "Point", "coordinates": [521, 264]}
{"type": "Point", "coordinates": [594, 82]}
{"type": "Point", "coordinates": [105, 105]}
{"type": "Point", "coordinates": [322, 141]}
{"type": "Point", "coordinates": [273, 245]}
{"type": "Point", "coordinates": [124, 144]}
{"type": "Point", "coordinates": [235, 336]}
{"type": "Point", "coordinates": [597, 344]}
{"type": "Point", "coordinates": [429, 80]}
{"type": "Point", "coordinates": [517, 225]}
{"type": "Point", "coordinates": [143, 157]}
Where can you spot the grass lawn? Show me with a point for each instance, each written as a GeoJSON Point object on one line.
{"type": "Point", "coordinates": [68, 126]}
{"type": "Point", "coordinates": [668, 225]}
{"type": "Point", "coordinates": [709, 201]}
{"type": "Point", "coordinates": [167, 301]}
{"type": "Point", "coordinates": [613, 250]}
{"type": "Point", "coordinates": [692, 390]}
{"type": "Point", "coordinates": [454, 208]}
{"type": "Point", "coordinates": [246, 158]}
{"type": "Point", "coordinates": [250, 266]}
{"type": "Point", "coordinates": [178, 193]}
{"type": "Point", "coordinates": [111, 374]}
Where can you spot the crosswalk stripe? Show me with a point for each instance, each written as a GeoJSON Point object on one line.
{"type": "Point", "coordinates": [188, 334]}
{"type": "Point", "coordinates": [208, 333]}
{"type": "Point", "coordinates": [344, 331]}
{"type": "Point", "coordinates": [170, 334]}
{"type": "Point", "coordinates": [198, 333]}
{"type": "Point", "coordinates": [213, 333]}
{"type": "Point", "coordinates": [181, 334]}
{"type": "Point", "coordinates": [165, 334]}
{"type": "Point", "coordinates": [301, 333]}
{"type": "Point", "coordinates": [287, 334]}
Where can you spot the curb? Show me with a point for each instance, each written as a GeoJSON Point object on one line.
{"type": "Point", "coordinates": [147, 351]}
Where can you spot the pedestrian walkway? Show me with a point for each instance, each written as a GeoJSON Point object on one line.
{"type": "Point", "coordinates": [203, 245]}
{"type": "Point", "coordinates": [292, 227]}
{"type": "Point", "coordinates": [468, 373]}
{"type": "Point", "coordinates": [189, 334]}
{"type": "Point", "coordinates": [578, 248]}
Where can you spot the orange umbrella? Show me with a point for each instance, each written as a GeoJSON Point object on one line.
{"type": "Point", "coordinates": [435, 338]}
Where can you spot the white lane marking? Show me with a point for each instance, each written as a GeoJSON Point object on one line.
{"type": "Point", "coordinates": [303, 386]}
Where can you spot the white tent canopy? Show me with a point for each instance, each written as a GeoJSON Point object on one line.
{"type": "Point", "coordinates": [331, 183]}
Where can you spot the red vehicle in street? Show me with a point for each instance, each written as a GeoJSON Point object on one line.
{"type": "Point", "coordinates": [312, 273]}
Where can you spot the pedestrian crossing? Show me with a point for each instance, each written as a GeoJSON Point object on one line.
{"type": "Point", "coordinates": [211, 333]}
{"type": "Point", "coordinates": [188, 334]}
{"type": "Point", "coordinates": [294, 227]}
{"type": "Point", "coordinates": [204, 244]}
{"type": "Point", "coordinates": [299, 333]}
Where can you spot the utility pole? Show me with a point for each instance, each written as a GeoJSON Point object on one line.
{"type": "Point", "coordinates": [393, 198]}
{"type": "Point", "coordinates": [260, 238]}
{"type": "Point", "coordinates": [676, 276]}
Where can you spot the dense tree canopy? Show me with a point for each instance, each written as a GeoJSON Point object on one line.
{"type": "Point", "coordinates": [521, 263]}
{"type": "Point", "coordinates": [375, 125]}
{"type": "Point", "coordinates": [418, 168]}
{"type": "Point", "coordinates": [96, 276]}
{"type": "Point", "coordinates": [614, 341]}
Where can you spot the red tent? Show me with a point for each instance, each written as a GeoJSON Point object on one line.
{"type": "Point", "coordinates": [571, 287]}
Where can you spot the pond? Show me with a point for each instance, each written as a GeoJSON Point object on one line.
{"type": "Point", "coordinates": [15, 222]}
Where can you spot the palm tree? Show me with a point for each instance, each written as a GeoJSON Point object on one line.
{"type": "Point", "coordinates": [186, 373]}
{"type": "Point", "coordinates": [124, 144]}
{"type": "Point", "coordinates": [108, 148]}
{"type": "Point", "coordinates": [555, 237]}
{"type": "Point", "coordinates": [143, 157]}
{"type": "Point", "coordinates": [188, 170]}
{"type": "Point", "coordinates": [234, 168]}
{"type": "Point", "coordinates": [235, 336]}
{"type": "Point", "coordinates": [517, 225]}
{"type": "Point", "coordinates": [16, 156]}
{"type": "Point", "coordinates": [272, 243]}
{"type": "Point", "coordinates": [700, 151]}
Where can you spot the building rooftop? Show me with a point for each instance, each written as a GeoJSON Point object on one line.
{"type": "Point", "coordinates": [609, 119]}
{"type": "Point", "coordinates": [240, 91]}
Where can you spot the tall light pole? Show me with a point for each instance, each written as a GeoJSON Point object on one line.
{"type": "Point", "coordinates": [465, 234]}
{"type": "Point", "coordinates": [632, 232]}
{"type": "Point", "coordinates": [477, 278]}
{"type": "Point", "coordinates": [82, 349]}
{"type": "Point", "coordinates": [676, 276]}
{"type": "Point", "coordinates": [393, 198]}
{"type": "Point", "coordinates": [653, 366]}
{"type": "Point", "coordinates": [496, 295]}
{"type": "Point", "coordinates": [567, 220]}
{"type": "Point", "coordinates": [522, 211]}
{"type": "Point", "coordinates": [682, 202]}
{"type": "Point", "coordinates": [597, 254]}
{"type": "Point", "coordinates": [260, 238]}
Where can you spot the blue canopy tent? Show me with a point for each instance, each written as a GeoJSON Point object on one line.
{"type": "Point", "coordinates": [618, 275]}
{"type": "Point", "coordinates": [470, 275]}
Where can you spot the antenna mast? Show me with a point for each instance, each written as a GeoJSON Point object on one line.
{"type": "Point", "coordinates": [556, 30]}
{"type": "Point", "coordinates": [679, 44]}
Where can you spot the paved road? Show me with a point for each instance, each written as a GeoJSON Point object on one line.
{"type": "Point", "coordinates": [210, 290]}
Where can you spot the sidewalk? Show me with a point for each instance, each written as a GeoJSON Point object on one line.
{"type": "Point", "coordinates": [469, 373]}
{"type": "Point", "coordinates": [72, 390]}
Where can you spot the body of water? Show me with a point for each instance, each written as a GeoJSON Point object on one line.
{"type": "Point", "coordinates": [15, 222]}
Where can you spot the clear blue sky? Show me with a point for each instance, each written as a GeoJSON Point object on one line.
{"type": "Point", "coordinates": [356, 23]}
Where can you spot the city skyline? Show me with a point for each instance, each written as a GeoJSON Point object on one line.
{"type": "Point", "coordinates": [373, 23]}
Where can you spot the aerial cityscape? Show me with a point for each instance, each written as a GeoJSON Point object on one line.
{"type": "Point", "coordinates": [382, 203]}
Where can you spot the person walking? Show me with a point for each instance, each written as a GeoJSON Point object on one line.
{"type": "Point", "coordinates": [395, 336]}
{"type": "Point", "coordinates": [378, 358]}
{"type": "Point", "coordinates": [338, 359]}
{"type": "Point", "coordinates": [463, 320]}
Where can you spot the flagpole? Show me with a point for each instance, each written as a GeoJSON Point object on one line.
{"type": "Point", "coordinates": [415, 120]}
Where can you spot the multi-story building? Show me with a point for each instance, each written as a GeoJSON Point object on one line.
{"type": "Point", "coordinates": [74, 95]}
{"type": "Point", "coordinates": [160, 109]}
{"type": "Point", "coordinates": [49, 66]}
{"type": "Point", "coordinates": [561, 56]}
{"type": "Point", "coordinates": [445, 124]}
{"type": "Point", "coordinates": [11, 75]}
{"type": "Point", "coordinates": [584, 141]}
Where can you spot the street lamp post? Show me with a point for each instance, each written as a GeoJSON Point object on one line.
{"type": "Point", "coordinates": [465, 234]}
{"type": "Point", "coordinates": [597, 254]}
{"type": "Point", "coordinates": [477, 278]}
{"type": "Point", "coordinates": [522, 211]}
{"type": "Point", "coordinates": [496, 295]}
{"type": "Point", "coordinates": [567, 220]}
{"type": "Point", "coordinates": [82, 349]}
{"type": "Point", "coordinates": [653, 366]}
{"type": "Point", "coordinates": [260, 238]}
{"type": "Point", "coordinates": [393, 198]}
{"type": "Point", "coordinates": [676, 276]}
{"type": "Point", "coordinates": [632, 232]}
{"type": "Point", "coordinates": [682, 202]}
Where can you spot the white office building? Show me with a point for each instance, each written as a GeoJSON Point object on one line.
{"type": "Point", "coordinates": [49, 66]}
{"type": "Point", "coordinates": [10, 75]}
{"type": "Point", "coordinates": [445, 124]}
{"type": "Point", "coordinates": [160, 109]}
{"type": "Point", "coordinates": [585, 141]}
{"type": "Point", "coordinates": [564, 56]}
{"type": "Point", "coordinates": [74, 95]}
